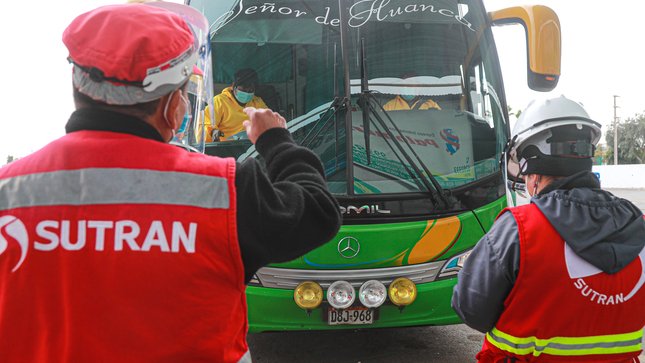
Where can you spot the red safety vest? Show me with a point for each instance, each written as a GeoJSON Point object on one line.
{"type": "Point", "coordinates": [115, 248]}
{"type": "Point", "coordinates": [563, 309]}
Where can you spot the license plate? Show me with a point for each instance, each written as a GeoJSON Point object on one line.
{"type": "Point", "coordinates": [358, 315]}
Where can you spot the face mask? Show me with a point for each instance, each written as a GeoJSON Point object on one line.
{"type": "Point", "coordinates": [186, 104]}
{"type": "Point", "coordinates": [184, 121]}
{"type": "Point", "coordinates": [165, 110]}
{"type": "Point", "coordinates": [408, 97]}
{"type": "Point", "coordinates": [243, 97]}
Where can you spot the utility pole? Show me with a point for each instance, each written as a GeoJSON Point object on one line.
{"type": "Point", "coordinates": [615, 132]}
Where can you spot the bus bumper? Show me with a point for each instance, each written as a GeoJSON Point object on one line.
{"type": "Point", "coordinates": [274, 310]}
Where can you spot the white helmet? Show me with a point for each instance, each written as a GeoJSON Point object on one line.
{"type": "Point", "coordinates": [552, 137]}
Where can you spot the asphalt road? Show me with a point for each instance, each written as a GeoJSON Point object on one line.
{"type": "Point", "coordinates": [441, 344]}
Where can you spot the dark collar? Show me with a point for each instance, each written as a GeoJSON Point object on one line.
{"type": "Point", "coordinates": [103, 120]}
{"type": "Point", "coordinates": [583, 179]}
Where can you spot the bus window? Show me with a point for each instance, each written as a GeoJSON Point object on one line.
{"type": "Point", "coordinates": [327, 78]}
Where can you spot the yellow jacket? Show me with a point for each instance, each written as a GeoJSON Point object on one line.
{"type": "Point", "coordinates": [398, 103]}
{"type": "Point", "coordinates": [229, 115]}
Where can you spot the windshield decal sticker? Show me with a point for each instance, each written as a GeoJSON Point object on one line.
{"type": "Point", "coordinates": [444, 143]}
{"type": "Point", "coordinates": [360, 13]}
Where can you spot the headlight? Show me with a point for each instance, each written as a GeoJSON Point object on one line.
{"type": "Point", "coordinates": [341, 294]}
{"type": "Point", "coordinates": [402, 291]}
{"type": "Point", "coordinates": [452, 267]}
{"type": "Point", "coordinates": [308, 295]}
{"type": "Point", "coordinates": [372, 294]}
{"type": "Point", "coordinates": [254, 281]}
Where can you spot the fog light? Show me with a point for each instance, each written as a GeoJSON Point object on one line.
{"type": "Point", "coordinates": [341, 294]}
{"type": "Point", "coordinates": [308, 295]}
{"type": "Point", "coordinates": [372, 294]}
{"type": "Point", "coordinates": [402, 291]}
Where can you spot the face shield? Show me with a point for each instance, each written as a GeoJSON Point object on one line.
{"type": "Point", "coordinates": [191, 134]}
{"type": "Point", "coordinates": [513, 173]}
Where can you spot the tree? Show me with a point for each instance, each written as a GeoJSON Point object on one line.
{"type": "Point", "coordinates": [631, 141]}
{"type": "Point", "coordinates": [512, 112]}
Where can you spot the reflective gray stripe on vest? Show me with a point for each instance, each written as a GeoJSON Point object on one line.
{"type": "Point", "coordinates": [246, 358]}
{"type": "Point", "coordinates": [99, 186]}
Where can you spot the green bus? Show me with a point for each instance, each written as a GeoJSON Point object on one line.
{"type": "Point", "coordinates": [419, 185]}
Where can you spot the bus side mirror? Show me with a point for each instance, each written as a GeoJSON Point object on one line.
{"type": "Point", "coordinates": [542, 29]}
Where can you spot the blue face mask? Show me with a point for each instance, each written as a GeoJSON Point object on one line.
{"type": "Point", "coordinates": [243, 97]}
{"type": "Point", "coordinates": [408, 97]}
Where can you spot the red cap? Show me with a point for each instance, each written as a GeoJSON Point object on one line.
{"type": "Point", "coordinates": [130, 53]}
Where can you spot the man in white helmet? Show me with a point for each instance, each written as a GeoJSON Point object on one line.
{"type": "Point", "coordinates": [118, 247]}
{"type": "Point", "coordinates": [559, 279]}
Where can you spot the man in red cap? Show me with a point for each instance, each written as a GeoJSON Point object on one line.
{"type": "Point", "coordinates": [118, 247]}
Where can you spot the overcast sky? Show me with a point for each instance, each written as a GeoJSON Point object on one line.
{"type": "Point", "coordinates": [601, 56]}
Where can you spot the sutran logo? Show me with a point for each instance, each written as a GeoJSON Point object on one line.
{"type": "Point", "coordinates": [451, 140]}
{"type": "Point", "coordinates": [99, 235]}
{"type": "Point", "coordinates": [12, 230]}
{"type": "Point", "coordinates": [580, 269]}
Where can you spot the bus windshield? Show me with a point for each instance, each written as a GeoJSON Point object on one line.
{"type": "Point", "coordinates": [395, 96]}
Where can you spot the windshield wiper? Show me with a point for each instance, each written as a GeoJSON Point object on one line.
{"type": "Point", "coordinates": [369, 104]}
{"type": "Point", "coordinates": [368, 101]}
{"type": "Point", "coordinates": [366, 117]}
{"type": "Point", "coordinates": [336, 105]}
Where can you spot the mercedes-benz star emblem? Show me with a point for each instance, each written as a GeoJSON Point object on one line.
{"type": "Point", "coordinates": [348, 247]}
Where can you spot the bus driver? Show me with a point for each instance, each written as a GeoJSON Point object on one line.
{"type": "Point", "coordinates": [229, 106]}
